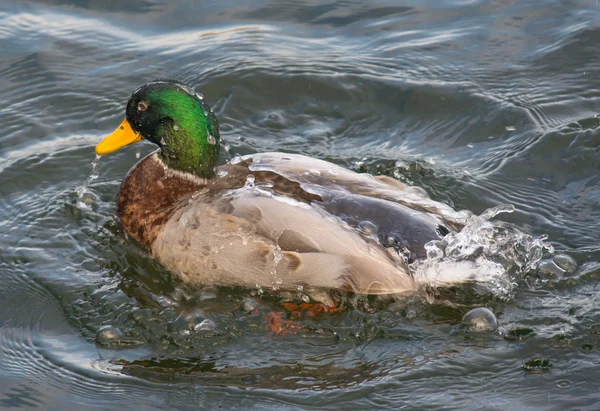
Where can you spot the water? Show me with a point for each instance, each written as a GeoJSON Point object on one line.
{"type": "Point", "coordinates": [481, 103]}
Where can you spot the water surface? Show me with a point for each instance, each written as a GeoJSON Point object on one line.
{"type": "Point", "coordinates": [481, 103]}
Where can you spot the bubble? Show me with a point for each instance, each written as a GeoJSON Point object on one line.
{"type": "Point", "coordinates": [141, 316]}
{"type": "Point", "coordinates": [205, 296]}
{"type": "Point", "coordinates": [510, 128]}
{"type": "Point", "coordinates": [250, 180]}
{"type": "Point", "coordinates": [175, 127]}
{"type": "Point", "coordinates": [188, 320]}
{"type": "Point", "coordinates": [109, 335]}
{"type": "Point", "coordinates": [248, 305]}
{"type": "Point", "coordinates": [565, 262]}
{"type": "Point", "coordinates": [200, 96]}
{"type": "Point", "coordinates": [206, 325]}
{"type": "Point", "coordinates": [212, 140]}
{"type": "Point", "coordinates": [367, 227]}
{"type": "Point", "coordinates": [479, 319]}
{"type": "Point", "coordinates": [548, 268]}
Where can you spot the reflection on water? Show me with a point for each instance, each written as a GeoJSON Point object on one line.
{"type": "Point", "coordinates": [480, 103]}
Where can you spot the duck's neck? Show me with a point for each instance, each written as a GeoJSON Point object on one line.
{"type": "Point", "coordinates": [198, 176]}
{"type": "Point", "coordinates": [190, 163]}
{"type": "Point", "coordinates": [149, 196]}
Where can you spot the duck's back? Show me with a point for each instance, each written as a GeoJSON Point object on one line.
{"type": "Point", "coordinates": [402, 217]}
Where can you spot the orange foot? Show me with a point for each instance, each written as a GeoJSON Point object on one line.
{"type": "Point", "coordinates": [282, 323]}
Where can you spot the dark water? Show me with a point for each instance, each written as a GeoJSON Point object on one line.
{"type": "Point", "coordinates": [479, 102]}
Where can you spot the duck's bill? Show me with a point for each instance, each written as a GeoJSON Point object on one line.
{"type": "Point", "coordinates": [121, 137]}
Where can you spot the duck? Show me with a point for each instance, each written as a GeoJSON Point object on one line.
{"type": "Point", "coordinates": [271, 220]}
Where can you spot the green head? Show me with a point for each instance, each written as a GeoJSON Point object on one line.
{"type": "Point", "coordinates": [176, 119]}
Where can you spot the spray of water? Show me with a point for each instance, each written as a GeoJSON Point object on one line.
{"type": "Point", "coordinates": [83, 199]}
{"type": "Point", "coordinates": [493, 254]}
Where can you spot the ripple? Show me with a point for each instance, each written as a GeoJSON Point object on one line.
{"type": "Point", "coordinates": [481, 103]}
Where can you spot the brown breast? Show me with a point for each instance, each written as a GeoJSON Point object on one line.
{"type": "Point", "coordinates": [149, 196]}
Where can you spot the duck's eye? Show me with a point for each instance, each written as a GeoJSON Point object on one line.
{"type": "Point", "coordinates": [142, 106]}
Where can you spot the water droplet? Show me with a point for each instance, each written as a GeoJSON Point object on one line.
{"type": "Point", "coordinates": [163, 142]}
{"type": "Point", "coordinates": [137, 154]}
{"type": "Point", "coordinates": [248, 305]}
{"type": "Point", "coordinates": [300, 288]}
{"type": "Point", "coordinates": [250, 181]}
{"type": "Point", "coordinates": [82, 191]}
{"type": "Point", "coordinates": [411, 314]}
{"type": "Point", "coordinates": [222, 173]}
{"type": "Point", "coordinates": [510, 128]}
{"type": "Point", "coordinates": [367, 227]}
{"type": "Point", "coordinates": [175, 127]}
{"type": "Point", "coordinates": [314, 172]}
{"type": "Point", "coordinates": [212, 140]}
{"type": "Point", "coordinates": [334, 172]}
{"type": "Point", "coordinates": [206, 325]}
{"type": "Point", "coordinates": [200, 96]}
{"type": "Point", "coordinates": [563, 384]}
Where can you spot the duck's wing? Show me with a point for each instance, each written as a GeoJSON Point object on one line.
{"type": "Point", "coordinates": [320, 177]}
{"type": "Point", "coordinates": [250, 237]}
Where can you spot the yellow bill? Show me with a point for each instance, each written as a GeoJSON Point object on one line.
{"type": "Point", "coordinates": [121, 137]}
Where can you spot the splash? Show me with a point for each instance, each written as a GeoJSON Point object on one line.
{"type": "Point", "coordinates": [84, 198]}
{"type": "Point", "coordinates": [493, 254]}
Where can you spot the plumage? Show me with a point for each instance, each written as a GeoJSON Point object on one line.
{"type": "Point", "coordinates": [273, 220]}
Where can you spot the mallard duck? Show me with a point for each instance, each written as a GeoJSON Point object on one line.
{"type": "Point", "coordinates": [272, 220]}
